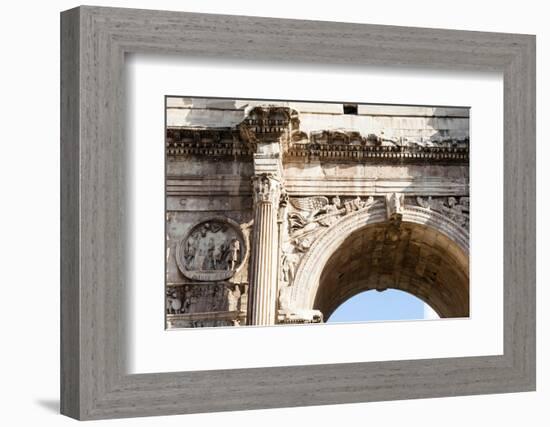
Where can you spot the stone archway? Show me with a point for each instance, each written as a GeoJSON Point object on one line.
{"type": "Point", "coordinates": [421, 252]}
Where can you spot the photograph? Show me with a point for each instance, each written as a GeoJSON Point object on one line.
{"type": "Point", "coordinates": [293, 212]}
{"type": "Point", "coordinates": [260, 214]}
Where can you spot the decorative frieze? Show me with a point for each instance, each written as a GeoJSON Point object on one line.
{"type": "Point", "coordinates": [211, 142]}
{"type": "Point", "coordinates": [206, 320]}
{"type": "Point", "coordinates": [275, 124]}
{"type": "Point", "coordinates": [380, 153]}
{"type": "Point", "coordinates": [196, 298]}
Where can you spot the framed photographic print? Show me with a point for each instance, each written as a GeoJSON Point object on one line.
{"type": "Point", "coordinates": [265, 212]}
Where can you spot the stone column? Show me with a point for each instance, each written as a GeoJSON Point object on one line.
{"type": "Point", "coordinates": [264, 262]}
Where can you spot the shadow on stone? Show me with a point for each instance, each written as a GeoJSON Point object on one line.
{"type": "Point", "coordinates": [51, 405]}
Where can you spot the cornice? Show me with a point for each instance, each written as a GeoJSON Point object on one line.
{"type": "Point", "coordinates": [269, 124]}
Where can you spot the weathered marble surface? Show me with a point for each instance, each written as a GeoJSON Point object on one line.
{"type": "Point", "coordinates": [390, 185]}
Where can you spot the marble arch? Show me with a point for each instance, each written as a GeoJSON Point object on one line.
{"type": "Point", "coordinates": [278, 211]}
{"type": "Point", "coordinates": [428, 258]}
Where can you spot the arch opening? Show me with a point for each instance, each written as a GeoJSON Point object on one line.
{"type": "Point", "coordinates": [404, 256]}
{"type": "Point", "coordinates": [392, 304]}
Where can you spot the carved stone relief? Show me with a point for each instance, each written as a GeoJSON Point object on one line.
{"type": "Point", "coordinates": [269, 124]}
{"type": "Point", "coordinates": [202, 323]}
{"type": "Point", "coordinates": [204, 298]}
{"type": "Point", "coordinates": [457, 209]}
{"type": "Point", "coordinates": [266, 188]}
{"type": "Point", "coordinates": [272, 123]}
{"type": "Point", "coordinates": [311, 215]}
{"type": "Point", "coordinates": [213, 254]}
{"type": "Point", "coordinates": [212, 250]}
{"type": "Point", "coordinates": [306, 219]}
{"type": "Point", "coordinates": [395, 204]}
{"type": "Point", "coordinates": [300, 316]}
{"type": "Point", "coordinates": [233, 297]}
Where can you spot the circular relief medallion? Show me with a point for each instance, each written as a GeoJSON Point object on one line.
{"type": "Point", "coordinates": [212, 250]}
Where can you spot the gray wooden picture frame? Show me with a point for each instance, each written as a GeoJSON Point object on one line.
{"type": "Point", "coordinates": [94, 382]}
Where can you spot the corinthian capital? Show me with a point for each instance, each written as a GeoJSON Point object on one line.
{"type": "Point", "coordinates": [266, 188]}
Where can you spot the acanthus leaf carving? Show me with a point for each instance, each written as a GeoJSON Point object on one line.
{"type": "Point", "coordinates": [266, 188]}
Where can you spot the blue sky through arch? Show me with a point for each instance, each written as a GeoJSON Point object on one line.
{"type": "Point", "coordinates": [376, 306]}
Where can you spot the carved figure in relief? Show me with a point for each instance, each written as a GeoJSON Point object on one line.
{"type": "Point", "coordinates": [428, 203]}
{"type": "Point", "coordinates": [173, 303]}
{"type": "Point", "coordinates": [209, 260]}
{"type": "Point", "coordinates": [211, 247]}
{"type": "Point", "coordinates": [284, 297]}
{"type": "Point", "coordinates": [201, 253]}
{"type": "Point", "coordinates": [335, 205]}
{"type": "Point", "coordinates": [456, 210]}
{"type": "Point", "coordinates": [288, 267]}
{"type": "Point", "coordinates": [459, 210]}
{"type": "Point", "coordinates": [189, 251]}
{"type": "Point", "coordinates": [318, 209]}
{"type": "Point", "coordinates": [304, 242]}
{"type": "Point", "coordinates": [394, 205]}
{"type": "Point", "coordinates": [233, 298]}
{"type": "Point", "coordinates": [332, 211]}
{"type": "Point", "coordinates": [234, 254]}
{"type": "Point", "coordinates": [187, 300]}
{"type": "Point", "coordinates": [219, 262]}
{"type": "Point", "coordinates": [313, 213]}
{"type": "Point", "coordinates": [358, 203]}
{"type": "Point", "coordinates": [306, 209]}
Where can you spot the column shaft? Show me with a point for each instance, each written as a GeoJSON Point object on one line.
{"type": "Point", "coordinates": [264, 262]}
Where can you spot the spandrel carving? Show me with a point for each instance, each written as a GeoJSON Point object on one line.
{"type": "Point", "coordinates": [457, 209]}
{"type": "Point", "coordinates": [311, 215]}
